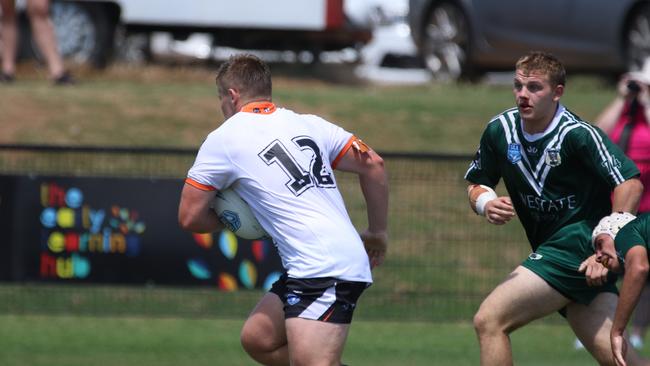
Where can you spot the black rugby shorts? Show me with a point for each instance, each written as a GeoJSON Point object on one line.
{"type": "Point", "coordinates": [326, 299]}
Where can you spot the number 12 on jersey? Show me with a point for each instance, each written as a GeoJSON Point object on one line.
{"type": "Point", "coordinates": [300, 179]}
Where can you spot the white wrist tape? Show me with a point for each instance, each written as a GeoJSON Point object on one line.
{"type": "Point", "coordinates": [611, 224]}
{"type": "Point", "coordinates": [484, 198]}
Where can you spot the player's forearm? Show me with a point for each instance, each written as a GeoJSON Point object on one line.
{"type": "Point", "coordinates": [627, 196]}
{"type": "Point", "coordinates": [633, 283]}
{"type": "Point", "coordinates": [478, 196]}
{"type": "Point", "coordinates": [374, 186]}
{"type": "Point", "coordinates": [194, 212]}
{"type": "Point", "coordinates": [204, 222]}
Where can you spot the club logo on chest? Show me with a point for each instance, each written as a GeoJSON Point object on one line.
{"type": "Point", "coordinates": [553, 157]}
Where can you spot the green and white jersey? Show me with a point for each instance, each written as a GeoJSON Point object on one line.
{"type": "Point", "coordinates": [636, 232]}
{"type": "Point", "coordinates": [558, 178]}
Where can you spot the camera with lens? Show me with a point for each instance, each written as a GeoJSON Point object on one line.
{"type": "Point", "coordinates": [633, 87]}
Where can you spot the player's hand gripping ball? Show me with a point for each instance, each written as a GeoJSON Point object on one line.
{"type": "Point", "coordinates": [235, 213]}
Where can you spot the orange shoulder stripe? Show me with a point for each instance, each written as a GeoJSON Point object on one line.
{"type": "Point", "coordinates": [343, 151]}
{"type": "Point", "coordinates": [198, 185]}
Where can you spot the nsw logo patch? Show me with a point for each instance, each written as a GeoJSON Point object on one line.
{"type": "Point", "coordinates": [514, 153]}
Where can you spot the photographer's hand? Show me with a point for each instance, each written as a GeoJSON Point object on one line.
{"type": "Point", "coordinates": [644, 99]}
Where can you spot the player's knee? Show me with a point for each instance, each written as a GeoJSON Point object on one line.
{"type": "Point", "coordinates": [479, 323]}
{"type": "Point", "coordinates": [253, 343]}
{"type": "Point", "coordinates": [249, 341]}
{"type": "Point", "coordinates": [485, 323]}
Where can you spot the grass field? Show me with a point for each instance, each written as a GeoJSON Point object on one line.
{"type": "Point", "coordinates": [176, 107]}
{"type": "Point", "coordinates": [127, 341]}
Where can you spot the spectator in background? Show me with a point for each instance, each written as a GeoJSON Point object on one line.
{"type": "Point", "coordinates": [43, 31]}
{"type": "Point", "coordinates": [627, 122]}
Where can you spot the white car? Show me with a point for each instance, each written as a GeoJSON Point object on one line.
{"type": "Point", "coordinates": [391, 56]}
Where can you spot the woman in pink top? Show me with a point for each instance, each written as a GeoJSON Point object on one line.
{"type": "Point", "coordinates": [627, 122]}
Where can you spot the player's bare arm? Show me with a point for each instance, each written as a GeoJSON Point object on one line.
{"type": "Point", "coordinates": [194, 213]}
{"type": "Point", "coordinates": [373, 179]}
{"type": "Point", "coordinates": [627, 196]}
{"type": "Point", "coordinates": [636, 274]}
{"type": "Point", "coordinates": [625, 202]}
{"type": "Point", "coordinates": [485, 202]}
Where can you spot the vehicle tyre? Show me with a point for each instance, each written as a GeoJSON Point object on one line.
{"type": "Point", "coordinates": [637, 38]}
{"type": "Point", "coordinates": [445, 42]}
{"type": "Point", "coordinates": [132, 48]}
{"type": "Point", "coordinates": [84, 33]}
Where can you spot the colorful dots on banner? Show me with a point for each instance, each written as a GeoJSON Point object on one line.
{"type": "Point", "coordinates": [247, 274]}
{"type": "Point", "coordinates": [228, 244]}
{"type": "Point", "coordinates": [203, 240]}
{"type": "Point", "coordinates": [199, 269]}
{"type": "Point", "coordinates": [270, 280]}
{"type": "Point", "coordinates": [227, 282]}
{"type": "Point", "coordinates": [260, 250]}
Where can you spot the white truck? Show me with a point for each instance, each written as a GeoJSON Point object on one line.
{"type": "Point", "coordinates": [88, 30]}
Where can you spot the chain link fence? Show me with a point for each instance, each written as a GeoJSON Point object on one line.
{"type": "Point", "coordinates": [442, 259]}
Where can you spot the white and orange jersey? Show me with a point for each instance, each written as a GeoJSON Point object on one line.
{"type": "Point", "coordinates": [281, 163]}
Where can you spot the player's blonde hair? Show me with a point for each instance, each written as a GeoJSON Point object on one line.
{"type": "Point", "coordinates": [544, 62]}
{"type": "Point", "coordinates": [246, 73]}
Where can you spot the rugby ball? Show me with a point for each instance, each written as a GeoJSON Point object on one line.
{"type": "Point", "coordinates": [235, 213]}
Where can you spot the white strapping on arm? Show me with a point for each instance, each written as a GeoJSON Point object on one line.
{"type": "Point", "coordinates": [484, 198]}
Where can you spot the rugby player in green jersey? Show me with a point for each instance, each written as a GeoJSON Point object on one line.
{"type": "Point", "coordinates": [560, 173]}
{"type": "Point", "coordinates": [629, 254]}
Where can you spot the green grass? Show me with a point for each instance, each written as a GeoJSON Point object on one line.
{"type": "Point", "coordinates": [178, 107]}
{"type": "Point", "coordinates": [128, 341]}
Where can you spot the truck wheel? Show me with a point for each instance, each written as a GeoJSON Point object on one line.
{"type": "Point", "coordinates": [445, 42]}
{"type": "Point", "coordinates": [84, 33]}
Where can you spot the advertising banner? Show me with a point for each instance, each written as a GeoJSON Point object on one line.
{"type": "Point", "coordinates": [119, 231]}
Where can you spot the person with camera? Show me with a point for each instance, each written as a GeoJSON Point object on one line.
{"type": "Point", "coordinates": [627, 122]}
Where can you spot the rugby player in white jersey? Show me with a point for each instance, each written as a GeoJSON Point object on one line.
{"type": "Point", "coordinates": [281, 163]}
{"type": "Point", "coordinates": [559, 172]}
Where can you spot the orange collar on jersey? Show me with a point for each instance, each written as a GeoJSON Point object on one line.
{"type": "Point", "coordinates": [259, 107]}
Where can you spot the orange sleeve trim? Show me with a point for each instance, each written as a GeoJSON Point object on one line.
{"type": "Point", "coordinates": [343, 151]}
{"type": "Point", "coordinates": [203, 187]}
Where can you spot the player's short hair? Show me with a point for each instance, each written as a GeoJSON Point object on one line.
{"type": "Point", "coordinates": [246, 73]}
{"type": "Point", "coordinates": [544, 62]}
